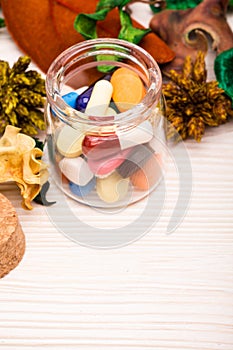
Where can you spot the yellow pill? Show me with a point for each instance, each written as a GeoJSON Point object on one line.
{"type": "Point", "coordinates": [69, 142]}
{"type": "Point", "coordinates": [112, 188]}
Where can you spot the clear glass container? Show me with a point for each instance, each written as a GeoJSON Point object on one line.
{"type": "Point", "coordinates": [105, 159]}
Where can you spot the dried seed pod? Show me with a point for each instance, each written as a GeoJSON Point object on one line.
{"type": "Point", "coordinates": [193, 103]}
{"type": "Point", "coordinates": [187, 31]}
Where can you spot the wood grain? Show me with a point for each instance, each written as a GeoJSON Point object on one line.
{"type": "Point", "coordinates": [163, 292]}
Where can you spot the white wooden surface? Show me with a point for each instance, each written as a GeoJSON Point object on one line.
{"type": "Point", "coordinates": [162, 292]}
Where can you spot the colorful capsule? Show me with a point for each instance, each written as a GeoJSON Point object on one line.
{"type": "Point", "coordinates": [97, 147]}
{"type": "Point", "coordinates": [100, 98]}
{"type": "Point", "coordinates": [76, 170]}
{"type": "Point", "coordinates": [146, 177]}
{"type": "Point", "coordinates": [105, 166]}
{"type": "Point", "coordinates": [82, 191]}
{"type": "Point", "coordinates": [84, 97]}
{"type": "Point", "coordinates": [140, 134]}
{"type": "Point", "coordinates": [71, 98]}
{"type": "Point", "coordinates": [135, 160]}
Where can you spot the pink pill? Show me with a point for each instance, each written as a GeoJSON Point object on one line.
{"type": "Point", "coordinates": [107, 165]}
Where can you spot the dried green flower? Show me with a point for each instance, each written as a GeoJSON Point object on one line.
{"type": "Point", "coordinates": [192, 102]}
{"type": "Point", "coordinates": [22, 97]}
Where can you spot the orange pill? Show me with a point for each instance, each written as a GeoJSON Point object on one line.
{"type": "Point", "coordinates": [146, 177]}
{"type": "Point", "coordinates": [128, 89]}
{"type": "Point", "coordinates": [122, 70]}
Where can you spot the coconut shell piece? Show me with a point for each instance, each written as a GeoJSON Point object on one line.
{"type": "Point", "coordinates": [12, 239]}
{"type": "Point", "coordinates": [43, 29]}
{"type": "Point", "coordinates": [186, 31]}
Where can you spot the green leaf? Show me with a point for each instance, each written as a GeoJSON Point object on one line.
{"type": "Point", "coordinates": [128, 31]}
{"type": "Point", "coordinates": [106, 68]}
{"type": "Point", "coordinates": [223, 67]}
{"type": "Point", "coordinates": [111, 4]}
{"type": "Point", "coordinates": [2, 23]}
{"type": "Point", "coordinates": [39, 144]}
{"type": "Point", "coordinates": [41, 197]}
{"type": "Point", "coordinates": [85, 24]}
{"type": "Point", "coordinates": [176, 5]}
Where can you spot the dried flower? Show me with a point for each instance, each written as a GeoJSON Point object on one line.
{"type": "Point", "coordinates": [192, 102]}
{"type": "Point", "coordinates": [21, 162]}
{"type": "Point", "coordinates": [21, 97]}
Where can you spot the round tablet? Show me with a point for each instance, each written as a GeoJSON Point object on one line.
{"type": "Point", "coordinates": [128, 89]}
{"type": "Point", "coordinates": [69, 142]}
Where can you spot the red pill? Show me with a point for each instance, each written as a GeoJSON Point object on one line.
{"type": "Point", "coordinates": [97, 147]}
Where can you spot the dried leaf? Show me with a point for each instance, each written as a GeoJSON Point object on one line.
{"type": "Point", "coordinates": [223, 67]}
{"type": "Point", "coordinates": [174, 5]}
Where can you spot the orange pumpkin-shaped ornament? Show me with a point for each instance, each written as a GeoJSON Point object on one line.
{"type": "Point", "coordinates": [44, 28]}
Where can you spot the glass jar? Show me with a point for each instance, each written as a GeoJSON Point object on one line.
{"type": "Point", "coordinates": [105, 159]}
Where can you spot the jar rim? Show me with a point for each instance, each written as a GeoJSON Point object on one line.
{"type": "Point", "coordinates": [68, 57]}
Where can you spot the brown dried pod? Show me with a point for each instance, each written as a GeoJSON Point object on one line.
{"type": "Point", "coordinates": [187, 31]}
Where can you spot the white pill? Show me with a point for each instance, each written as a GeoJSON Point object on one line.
{"type": "Point", "coordinates": [142, 133]}
{"type": "Point", "coordinates": [110, 112]}
{"type": "Point", "coordinates": [76, 170]}
{"type": "Point", "coordinates": [100, 98]}
{"type": "Point", "coordinates": [69, 142]}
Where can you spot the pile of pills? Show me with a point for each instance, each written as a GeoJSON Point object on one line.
{"type": "Point", "coordinates": [109, 164]}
